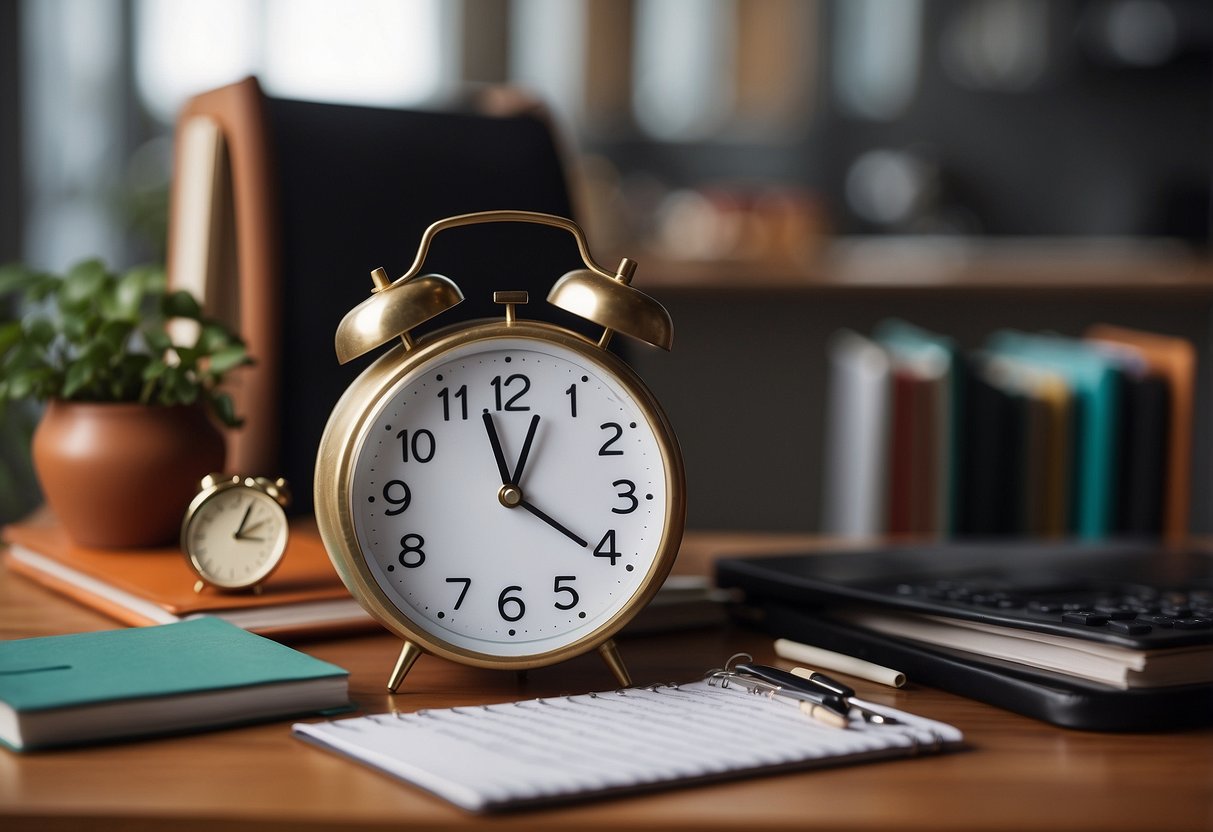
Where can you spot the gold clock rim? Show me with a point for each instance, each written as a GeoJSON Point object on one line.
{"type": "Point", "coordinates": [205, 496]}
{"type": "Point", "coordinates": [335, 463]}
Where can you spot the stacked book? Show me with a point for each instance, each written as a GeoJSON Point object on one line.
{"type": "Point", "coordinates": [1035, 435]}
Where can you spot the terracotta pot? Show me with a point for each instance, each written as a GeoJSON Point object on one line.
{"type": "Point", "coordinates": [121, 475]}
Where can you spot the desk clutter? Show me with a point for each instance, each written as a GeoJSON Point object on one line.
{"type": "Point", "coordinates": [1032, 435]}
{"type": "Point", "coordinates": [156, 586]}
{"type": "Point", "coordinates": [1094, 636]}
{"type": "Point", "coordinates": [119, 684]}
{"type": "Point", "coordinates": [731, 724]}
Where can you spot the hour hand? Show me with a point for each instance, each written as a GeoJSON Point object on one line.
{"type": "Point", "coordinates": [498, 454]}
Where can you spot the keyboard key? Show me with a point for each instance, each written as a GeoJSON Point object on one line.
{"type": "Point", "coordinates": [1117, 613]}
{"type": "Point", "coordinates": [1194, 623]}
{"type": "Point", "coordinates": [1046, 606]}
{"type": "Point", "coordinates": [1090, 619]}
{"type": "Point", "coordinates": [1130, 628]}
{"type": "Point", "coordinates": [1157, 620]}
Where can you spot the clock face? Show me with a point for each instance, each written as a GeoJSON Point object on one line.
{"type": "Point", "coordinates": [236, 537]}
{"type": "Point", "coordinates": [509, 496]}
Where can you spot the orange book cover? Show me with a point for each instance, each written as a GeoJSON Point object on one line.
{"type": "Point", "coordinates": [156, 586]}
{"type": "Point", "coordinates": [1175, 360]}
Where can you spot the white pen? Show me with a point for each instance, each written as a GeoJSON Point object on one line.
{"type": "Point", "coordinates": [797, 652]}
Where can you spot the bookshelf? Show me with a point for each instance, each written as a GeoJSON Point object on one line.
{"type": "Point", "coordinates": [745, 382]}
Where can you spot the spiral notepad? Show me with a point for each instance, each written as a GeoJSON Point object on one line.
{"type": "Point", "coordinates": [566, 748]}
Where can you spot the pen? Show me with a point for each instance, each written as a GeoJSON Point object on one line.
{"type": "Point", "coordinates": [805, 701]}
{"type": "Point", "coordinates": [814, 681]}
{"type": "Point", "coordinates": [783, 679]}
{"type": "Point", "coordinates": [829, 692]}
{"type": "Point", "coordinates": [797, 652]}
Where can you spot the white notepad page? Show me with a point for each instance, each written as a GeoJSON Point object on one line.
{"type": "Point", "coordinates": [563, 748]}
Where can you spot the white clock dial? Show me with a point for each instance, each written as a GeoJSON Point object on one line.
{"type": "Point", "coordinates": [509, 496]}
{"type": "Point", "coordinates": [236, 537]}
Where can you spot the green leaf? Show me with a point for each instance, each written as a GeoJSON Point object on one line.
{"type": "Point", "coordinates": [157, 340]}
{"type": "Point", "coordinates": [228, 358]}
{"type": "Point", "coordinates": [154, 370]}
{"type": "Point", "coordinates": [181, 304]}
{"type": "Point", "coordinates": [42, 289]}
{"type": "Point", "coordinates": [212, 337]}
{"type": "Point", "coordinates": [83, 284]}
{"type": "Point", "coordinates": [23, 384]}
{"type": "Point", "coordinates": [17, 278]}
{"type": "Point", "coordinates": [225, 409]}
{"type": "Point", "coordinates": [10, 334]}
{"type": "Point", "coordinates": [114, 333]}
{"type": "Point", "coordinates": [78, 376]}
{"type": "Point", "coordinates": [39, 331]}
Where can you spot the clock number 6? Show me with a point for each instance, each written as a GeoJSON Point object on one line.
{"type": "Point", "coordinates": [505, 598]}
{"type": "Point", "coordinates": [574, 598]}
{"type": "Point", "coordinates": [411, 555]}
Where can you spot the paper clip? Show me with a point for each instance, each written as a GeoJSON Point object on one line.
{"type": "Point", "coordinates": [807, 704]}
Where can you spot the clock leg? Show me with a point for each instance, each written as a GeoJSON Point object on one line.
{"type": "Point", "coordinates": [408, 655]}
{"type": "Point", "coordinates": [610, 654]}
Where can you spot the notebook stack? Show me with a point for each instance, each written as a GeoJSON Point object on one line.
{"type": "Point", "coordinates": [1032, 435]}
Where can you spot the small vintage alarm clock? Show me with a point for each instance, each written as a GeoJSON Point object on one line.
{"type": "Point", "coordinates": [235, 530]}
{"type": "Point", "coordinates": [504, 493]}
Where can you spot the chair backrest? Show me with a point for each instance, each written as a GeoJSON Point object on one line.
{"type": "Point", "coordinates": [316, 196]}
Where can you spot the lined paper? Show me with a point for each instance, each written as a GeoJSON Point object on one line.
{"type": "Point", "coordinates": [553, 749]}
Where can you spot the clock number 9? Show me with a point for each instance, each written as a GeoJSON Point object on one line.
{"type": "Point", "coordinates": [398, 494]}
{"type": "Point", "coordinates": [410, 546]}
{"type": "Point", "coordinates": [505, 598]}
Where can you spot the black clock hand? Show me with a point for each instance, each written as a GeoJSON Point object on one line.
{"type": "Point", "coordinates": [498, 454]}
{"type": "Point", "coordinates": [243, 520]}
{"type": "Point", "coordinates": [545, 518]}
{"type": "Point", "coordinates": [526, 450]}
{"type": "Point", "coordinates": [244, 535]}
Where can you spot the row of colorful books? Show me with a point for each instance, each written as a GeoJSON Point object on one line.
{"type": "Point", "coordinates": [1033, 434]}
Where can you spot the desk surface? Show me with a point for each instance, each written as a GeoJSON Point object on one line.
{"type": "Point", "coordinates": [1016, 773]}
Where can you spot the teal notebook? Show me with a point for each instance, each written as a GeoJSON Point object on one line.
{"type": "Point", "coordinates": [201, 673]}
{"type": "Point", "coordinates": [1094, 380]}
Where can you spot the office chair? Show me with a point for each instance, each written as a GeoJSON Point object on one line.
{"type": "Point", "coordinates": [280, 209]}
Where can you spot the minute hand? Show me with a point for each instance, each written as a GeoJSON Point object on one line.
{"type": "Point", "coordinates": [555, 525]}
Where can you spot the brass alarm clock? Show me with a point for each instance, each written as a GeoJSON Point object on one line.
{"type": "Point", "coordinates": [504, 493]}
{"type": "Point", "coordinates": [235, 531]}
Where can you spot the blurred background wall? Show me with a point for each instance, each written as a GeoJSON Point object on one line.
{"type": "Point", "coordinates": [727, 141]}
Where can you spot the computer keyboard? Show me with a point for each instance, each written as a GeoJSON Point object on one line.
{"type": "Point", "coordinates": [1132, 610]}
{"type": "Point", "coordinates": [1135, 595]}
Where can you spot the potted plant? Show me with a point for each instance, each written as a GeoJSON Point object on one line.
{"type": "Point", "coordinates": [130, 421]}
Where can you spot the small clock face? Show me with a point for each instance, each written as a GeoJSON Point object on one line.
{"type": "Point", "coordinates": [509, 496]}
{"type": "Point", "coordinates": [236, 537]}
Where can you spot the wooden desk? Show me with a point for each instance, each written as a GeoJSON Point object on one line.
{"type": "Point", "coordinates": [1017, 774]}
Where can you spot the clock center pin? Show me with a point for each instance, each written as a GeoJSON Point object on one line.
{"type": "Point", "coordinates": [510, 496]}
